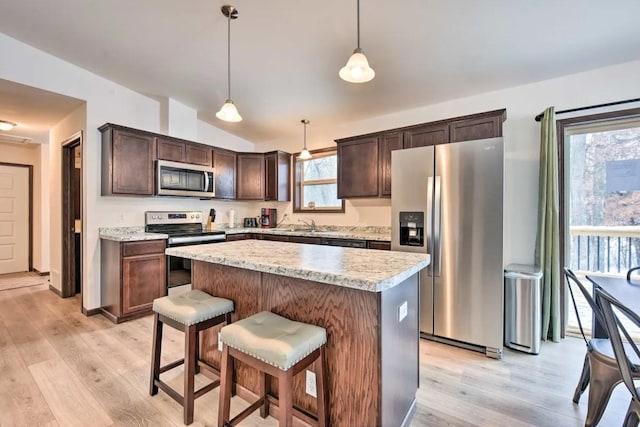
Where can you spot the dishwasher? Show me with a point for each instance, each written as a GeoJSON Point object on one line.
{"type": "Point", "coordinates": [346, 243]}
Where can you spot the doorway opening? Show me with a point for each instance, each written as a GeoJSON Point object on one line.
{"type": "Point", "coordinates": [600, 207]}
{"type": "Point", "coordinates": [71, 275]}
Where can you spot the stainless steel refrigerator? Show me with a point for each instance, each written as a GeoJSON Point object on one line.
{"type": "Point", "coordinates": [446, 200]}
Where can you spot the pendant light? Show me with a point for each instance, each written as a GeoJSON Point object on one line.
{"type": "Point", "coordinates": [229, 112]}
{"type": "Point", "coordinates": [305, 154]}
{"type": "Point", "coordinates": [5, 125]}
{"type": "Point", "coordinates": [357, 69]}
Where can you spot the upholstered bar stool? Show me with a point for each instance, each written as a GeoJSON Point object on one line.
{"type": "Point", "coordinates": [278, 347]}
{"type": "Point", "coordinates": [190, 312]}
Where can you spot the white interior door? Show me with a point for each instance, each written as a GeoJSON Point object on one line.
{"type": "Point", "coordinates": [14, 219]}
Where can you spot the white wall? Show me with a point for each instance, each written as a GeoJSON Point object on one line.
{"type": "Point", "coordinates": [521, 136]}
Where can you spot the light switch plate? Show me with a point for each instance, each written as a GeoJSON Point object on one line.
{"type": "Point", "coordinates": [402, 311]}
{"type": "Point", "coordinates": [311, 384]}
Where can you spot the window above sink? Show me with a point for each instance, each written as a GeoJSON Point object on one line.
{"type": "Point", "coordinates": [315, 186]}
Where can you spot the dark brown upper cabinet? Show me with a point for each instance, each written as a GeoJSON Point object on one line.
{"type": "Point", "coordinates": [177, 150]}
{"type": "Point", "coordinates": [197, 154]}
{"type": "Point", "coordinates": [486, 126]}
{"type": "Point", "coordinates": [224, 165]}
{"type": "Point", "coordinates": [250, 176]}
{"type": "Point", "coordinates": [364, 162]}
{"type": "Point", "coordinates": [277, 174]}
{"type": "Point", "coordinates": [386, 144]}
{"type": "Point", "coordinates": [426, 135]}
{"type": "Point", "coordinates": [169, 149]}
{"type": "Point", "coordinates": [127, 162]}
{"type": "Point", "coordinates": [358, 167]}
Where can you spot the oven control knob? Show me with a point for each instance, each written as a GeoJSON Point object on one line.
{"type": "Point", "coordinates": [198, 216]}
{"type": "Point", "coordinates": [192, 216]}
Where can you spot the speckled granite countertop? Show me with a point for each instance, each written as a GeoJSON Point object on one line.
{"type": "Point", "coordinates": [354, 233]}
{"type": "Point", "coordinates": [363, 269]}
{"type": "Point", "coordinates": [129, 234]}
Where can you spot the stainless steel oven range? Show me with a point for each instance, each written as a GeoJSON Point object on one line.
{"type": "Point", "coordinates": [184, 228]}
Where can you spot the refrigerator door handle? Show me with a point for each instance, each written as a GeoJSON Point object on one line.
{"type": "Point", "coordinates": [429, 223]}
{"type": "Point", "coordinates": [437, 227]}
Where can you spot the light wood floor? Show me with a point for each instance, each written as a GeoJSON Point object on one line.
{"type": "Point", "coordinates": [58, 367]}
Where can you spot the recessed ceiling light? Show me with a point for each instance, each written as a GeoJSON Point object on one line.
{"type": "Point", "coordinates": [5, 125]}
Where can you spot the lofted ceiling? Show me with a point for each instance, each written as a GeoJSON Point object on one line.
{"type": "Point", "coordinates": [286, 54]}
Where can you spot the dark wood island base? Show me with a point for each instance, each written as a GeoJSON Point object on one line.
{"type": "Point", "coordinates": [372, 340]}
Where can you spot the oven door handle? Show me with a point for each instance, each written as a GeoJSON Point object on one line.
{"type": "Point", "coordinates": [197, 239]}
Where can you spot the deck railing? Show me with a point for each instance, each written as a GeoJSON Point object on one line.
{"type": "Point", "coordinates": [602, 249]}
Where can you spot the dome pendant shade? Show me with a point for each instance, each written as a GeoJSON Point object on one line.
{"type": "Point", "coordinates": [357, 69]}
{"type": "Point", "coordinates": [229, 112]}
{"type": "Point", "coordinates": [305, 154]}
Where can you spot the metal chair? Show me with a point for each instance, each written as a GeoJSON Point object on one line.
{"type": "Point", "coordinates": [600, 369]}
{"type": "Point", "coordinates": [627, 354]}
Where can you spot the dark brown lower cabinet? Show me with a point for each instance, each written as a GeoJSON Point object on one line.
{"type": "Point", "coordinates": [275, 237]}
{"type": "Point", "coordinates": [235, 237]}
{"type": "Point", "coordinates": [133, 274]}
{"type": "Point", "coordinates": [307, 240]}
{"type": "Point", "coordinates": [375, 244]}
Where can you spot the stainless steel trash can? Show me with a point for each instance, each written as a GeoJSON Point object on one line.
{"type": "Point", "coordinates": [523, 307]}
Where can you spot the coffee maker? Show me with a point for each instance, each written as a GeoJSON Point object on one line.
{"type": "Point", "coordinates": [268, 218]}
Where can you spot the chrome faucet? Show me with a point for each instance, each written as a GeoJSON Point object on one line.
{"type": "Point", "coordinates": [312, 225]}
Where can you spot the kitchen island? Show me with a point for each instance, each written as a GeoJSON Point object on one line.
{"type": "Point", "coordinates": [367, 300]}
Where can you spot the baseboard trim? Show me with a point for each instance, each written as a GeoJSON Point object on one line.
{"type": "Point", "coordinates": [41, 273]}
{"type": "Point", "coordinates": [55, 291]}
{"type": "Point", "coordinates": [91, 312]}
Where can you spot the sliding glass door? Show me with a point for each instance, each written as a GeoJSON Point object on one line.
{"type": "Point", "coordinates": [601, 209]}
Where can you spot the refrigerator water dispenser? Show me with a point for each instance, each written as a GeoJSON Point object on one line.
{"type": "Point", "coordinates": [411, 228]}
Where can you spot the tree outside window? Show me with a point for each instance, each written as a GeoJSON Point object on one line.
{"type": "Point", "coordinates": [316, 188]}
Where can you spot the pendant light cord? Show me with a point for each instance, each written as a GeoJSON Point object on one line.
{"type": "Point", "coordinates": [358, 22]}
{"type": "Point", "coordinates": [305, 134]}
{"type": "Point", "coordinates": [229, 54]}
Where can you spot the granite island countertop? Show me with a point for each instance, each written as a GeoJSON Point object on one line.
{"type": "Point", "coordinates": [364, 269]}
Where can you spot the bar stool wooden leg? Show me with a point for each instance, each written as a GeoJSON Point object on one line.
{"type": "Point", "coordinates": [197, 356]}
{"type": "Point", "coordinates": [323, 404]}
{"type": "Point", "coordinates": [224, 407]}
{"type": "Point", "coordinates": [155, 354]}
{"type": "Point", "coordinates": [264, 409]}
{"type": "Point", "coordinates": [234, 380]}
{"type": "Point", "coordinates": [285, 398]}
{"type": "Point", "coordinates": [189, 371]}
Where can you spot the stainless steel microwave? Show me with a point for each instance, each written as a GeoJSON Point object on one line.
{"type": "Point", "coordinates": [182, 179]}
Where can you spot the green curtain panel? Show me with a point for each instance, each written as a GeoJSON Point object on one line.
{"type": "Point", "coordinates": [547, 254]}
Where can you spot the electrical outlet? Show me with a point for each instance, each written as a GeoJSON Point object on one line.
{"type": "Point", "coordinates": [402, 311]}
{"type": "Point", "coordinates": [219, 343]}
{"type": "Point", "coordinates": [311, 384]}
